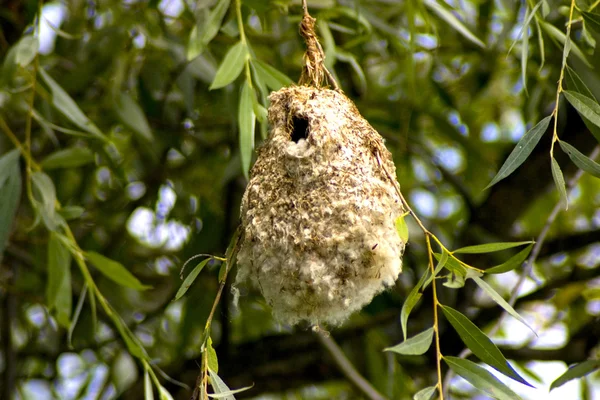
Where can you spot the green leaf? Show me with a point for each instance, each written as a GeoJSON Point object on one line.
{"type": "Point", "coordinates": [425, 394]}
{"type": "Point", "coordinates": [455, 281]}
{"type": "Point", "coordinates": [453, 22]}
{"type": "Point", "coordinates": [203, 33]}
{"type": "Point", "coordinates": [211, 355]}
{"type": "Point", "coordinates": [131, 114]}
{"type": "Point", "coordinates": [490, 247]}
{"type": "Point", "coordinates": [68, 158]}
{"type": "Point", "coordinates": [231, 66]}
{"type": "Point", "coordinates": [587, 107]}
{"type": "Point", "coordinates": [221, 391]}
{"type": "Point", "coordinates": [521, 151]}
{"type": "Point", "coordinates": [562, 38]}
{"type": "Point", "coordinates": [500, 301]}
{"type": "Point", "coordinates": [189, 280]}
{"type": "Point", "coordinates": [416, 345]}
{"type": "Point", "coordinates": [10, 193]}
{"type": "Point", "coordinates": [452, 265]}
{"type": "Point", "coordinates": [71, 212]}
{"type": "Point", "coordinates": [576, 84]}
{"type": "Point", "coordinates": [525, 27]}
{"type": "Point", "coordinates": [246, 125]}
{"type": "Point", "coordinates": [58, 288]}
{"type": "Point", "coordinates": [581, 160]}
{"type": "Point", "coordinates": [480, 344]}
{"type": "Point", "coordinates": [442, 261]}
{"type": "Point", "coordinates": [559, 181]}
{"type": "Point", "coordinates": [592, 21]}
{"type": "Point", "coordinates": [273, 78]}
{"type": "Point", "coordinates": [411, 300]}
{"type": "Point", "coordinates": [67, 106]}
{"type": "Point", "coordinates": [480, 378]}
{"type": "Point", "coordinates": [512, 263]}
{"type": "Point", "coordinates": [26, 50]}
{"type": "Point", "coordinates": [402, 228]}
{"type": "Point", "coordinates": [44, 197]}
{"type": "Point", "coordinates": [164, 393]}
{"type": "Point", "coordinates": [115, 271]}
{"type": "Point", "coordinates": [576, 371]}
{"type": "Point", "coordinates": [148, 393]}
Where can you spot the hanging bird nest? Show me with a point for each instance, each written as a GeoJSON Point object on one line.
{"type": "Point", "coordinates": [318, 215]}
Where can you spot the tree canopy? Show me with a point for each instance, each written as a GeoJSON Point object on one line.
{"type": "Point", "coordinates": [128, 129]}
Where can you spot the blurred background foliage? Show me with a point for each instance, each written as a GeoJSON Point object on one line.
{"type": "Point", "coordinates": [142, 162]}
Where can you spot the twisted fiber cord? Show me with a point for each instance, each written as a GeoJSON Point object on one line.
{"type": "Point", "coordinates": [313, 70]}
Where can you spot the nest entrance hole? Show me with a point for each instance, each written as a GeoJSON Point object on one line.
{"type": "Point", "coordinates": [300, 129]}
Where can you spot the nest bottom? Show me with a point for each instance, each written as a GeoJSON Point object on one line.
{"type": "Point", "coordinates": [323, 284]}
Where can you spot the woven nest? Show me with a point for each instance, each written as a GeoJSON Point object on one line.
{"type": "Point", "coordinates": [319, 212]}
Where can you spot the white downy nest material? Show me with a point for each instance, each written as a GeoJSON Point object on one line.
{"type": "Point", "coordinates": [319, 212]}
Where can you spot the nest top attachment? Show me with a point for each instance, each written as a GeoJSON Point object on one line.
{"type": "Point", "coordinates": [319, 212]}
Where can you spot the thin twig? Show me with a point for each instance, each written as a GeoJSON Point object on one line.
{"type": "Point", "coordinates": [346, 366]}
{"type": "Point", "coordinates": [539, 242]}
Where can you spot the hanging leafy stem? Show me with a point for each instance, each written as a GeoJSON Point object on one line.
{"type": "Point", "coordinates": [62, 246]}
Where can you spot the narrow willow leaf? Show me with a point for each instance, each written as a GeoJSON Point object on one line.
{"type": "Point", "coordinates": [191, 278]}
{"type": "Point", "coordinates": [576, 371]}
{"type": "Point", "coordinates": [68, 158]}
{"type": "Point", "coordinates": [416, 345]}
{"type": "Point", "coordinates": [115, 271]}
{"type": "Point", "coordinates": [273, 78]}
{"type": "Point", "coordinates": [453, 22]}
{"type": "Point", "coordinates": [402, 228]}
{"type": "Point", "coordinates": [592, 21]}
{"type": "Point", "coordinates": [541, 41]}
{"type": "Point", "coordinates": [211, 356]}
{"type": "Point", "coordinates": [148, 393]}
{"type": "Point", "coordinates": [410, 302]}
{"type": "Point", "coordinates": [442, 261]}
{"type": "Point", "coordinates": [566, 50]}
{"type": "Point", "coordinates": [452, 265]}
{"type": "Point", "coordinates": [44, 197]}
{"type": "Point", "coordinates": [500, 301]}
{"type": "Point", "coordinates": [246, 125]}
{"type": "Point", "coordinates": [480, 344]}
{"type": "Point", "coordinates": [559, 181]}
{"type": "Point", "coordinates": [481, 378]}
{"type": "Point", "coordinates": [203, 33]}
{"type": "Point", "coordinates": [490, 247]}
{"type": "Point", "coordinates": [561, 37]}
{"type": "Point", "coordinates": [10, 194]}
{"type": "Point", "coordinates": [164, 394]}
{"type": "Point", "coordinates": [512, 263]}
{"type": "Point", "coordinates": [587, 107]}
{"type": "Point", "coordinates": [228, 394]}
{"type": "Point", "coordinates": [76, 315]}
{"type": "Point", "coordinates": [349, 58]}
{"type": "Point", "coordinates": [576, 84]}
{"type": "Point", "coordinates": [58, 288]}
{"type": "Point", "coordinates": [231, 66]}
{"type": "Point", "coordinates": [524, 57]}
{"type": "Point", "coordinates": [219, 387]}
{"type": "Point", "coordinates": [525, 27]}
{"type": "Point", "coordinates": [455, 281]}
{"type": "Point", "coordinates": [131, 114]}
{"type": "Point", "coordinates": [27, 49]}
{"type": "Point", "coordinates": [425, 394]}
{"type": "Point", "coordinates": [71, 212]}
{"type": "Point", "coordinates": [521, 151]}
{"type": "Point", "coordinates": [67, 106]}
{"type": "Point", "coordinates": [580, 159]}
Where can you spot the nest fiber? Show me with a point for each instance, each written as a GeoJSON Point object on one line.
{"type": "Point", "coordinates": [319, 212]}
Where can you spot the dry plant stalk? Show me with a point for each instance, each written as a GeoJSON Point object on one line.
{"type": "Point", "coordinates": [318, 215]}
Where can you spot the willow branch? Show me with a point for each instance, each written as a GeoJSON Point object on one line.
{"type": "Point", "coordinates": [346, 367]}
